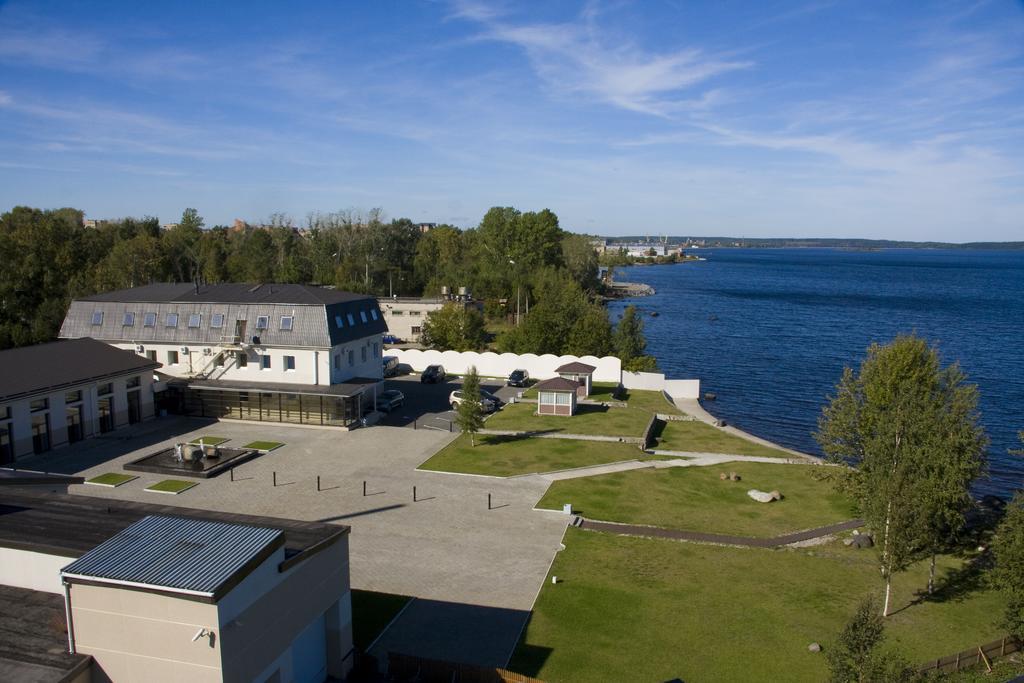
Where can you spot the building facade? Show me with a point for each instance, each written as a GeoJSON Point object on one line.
{"type": "Point", "coordinates": [230, 348]}
{"type": "Point", "coordinates": [405, 315]}
{"type": "Point", "coordinates": [55, 394]}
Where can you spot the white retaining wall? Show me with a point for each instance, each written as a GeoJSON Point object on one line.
{"type": "Point", "coordinates": [655, 381]}
{"type": "Point", "coordinates": [609, 368]}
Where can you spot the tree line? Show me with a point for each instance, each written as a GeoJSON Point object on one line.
{"type": "Point", "coordinates": [50, 257]}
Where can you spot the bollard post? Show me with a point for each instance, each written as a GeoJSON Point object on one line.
{"type": "Point", "coordinates": [232, 471]}
{"type": "Point", "coordinates": [275, 478]}
{"type": "Point", "coordinates": [318, 482]}
{"type": "Point", "coordinates": [414, 494]}
{"type": "Point", "coordinates": [488, 501]}
{"type": "Point", "coordinates": [364, 488]}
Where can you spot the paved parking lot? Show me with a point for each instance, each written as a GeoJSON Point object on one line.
{"type": "Point", "coordinates": [468, 564]}
{"type": "Point", "coordinates": [427, 406]}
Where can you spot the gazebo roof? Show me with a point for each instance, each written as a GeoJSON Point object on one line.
{"type": "Point", "coordinates": [557, 384]}
{"type": "Point", "coordinates": [577, 367]}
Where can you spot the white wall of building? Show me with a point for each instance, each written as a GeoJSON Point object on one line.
{"type": "Point", "coordinates": [312, 366]}
{"type": "Point", "coordinates": [609, 368]}
{"type": "Point", "coordinates": [32, 570]}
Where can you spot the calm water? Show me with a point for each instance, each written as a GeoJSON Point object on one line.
{"type": "Point", "coordinates": [769, 331]}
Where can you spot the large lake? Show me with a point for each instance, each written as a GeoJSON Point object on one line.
{"type": "Point", "coordinates": [770, 330]}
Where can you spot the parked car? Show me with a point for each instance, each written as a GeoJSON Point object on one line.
{"type": "Point", "coordinates": [389, 400]}
{"type": "Point", "coordinates": [518, 378]}
{"type": "Point", "coordinates": [391, 339]}
{"type": "Point", "coordinates": [489, 401]}
{"type": "Point", "coordinates": [434, 374]}
{"type": "Point", "coordinates": [390, 366]}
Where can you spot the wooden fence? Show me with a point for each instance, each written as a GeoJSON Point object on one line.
{"type": "Point", "coordinates": [408, 668]}
{"type": "Point", "coordinates": [982, 654]}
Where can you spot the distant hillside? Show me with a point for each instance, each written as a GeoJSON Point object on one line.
{"type": "Point", "coordinates": [835, 243]}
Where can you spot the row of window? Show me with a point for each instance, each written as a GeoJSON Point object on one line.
{"type": "Point", "coordinates": [406, 313]}
{"type": "Point", "coordinates": [195, 320]}
{"type": "Point", "coordinates": [340, 322]}
{"type": "Point", "coordinates": [241, 360]}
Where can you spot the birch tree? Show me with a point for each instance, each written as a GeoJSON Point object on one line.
{"type": "Point", "coordinates": [908, 429]}
{"type": "Point", "coordinates": [470, 415]}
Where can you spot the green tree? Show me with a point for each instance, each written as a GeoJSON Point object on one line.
{"type": "Point", "coordinates": [591, 334]}
{"type": "Point", "coordinates": [181, 246]}
{"type": "Point", "coordinates": [1008, 574]}
{"type": "Point", "coordinates": [895, 423]}
{"type": "Point", "coordinates": [581, 260]}
{"type": "Point", "coordinates": [470, 415]}
{"type": "Point", "coordinates": [454, 327]}
{"type": "Point", "coordinates": [630, 343]}
{"type": "Point", "coordinates": [857, 657]}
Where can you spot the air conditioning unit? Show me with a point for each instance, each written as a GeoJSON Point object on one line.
{"type": "Point", "coordinates": [255, 341]}
{"type": "Point", "coordinates": [140, 349]}
{"type": "Point", "coordinates": [184, 350]}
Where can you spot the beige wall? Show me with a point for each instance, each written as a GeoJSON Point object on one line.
{"type": "Point", "coordinates": [139, 636]}
{"type": "Point", "coordinates": [32, 570]}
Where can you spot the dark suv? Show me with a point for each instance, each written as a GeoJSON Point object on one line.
{"type": "Point", "coordinates": [434, 374]}
{"type": "Point", "coordinates": [518, 378]}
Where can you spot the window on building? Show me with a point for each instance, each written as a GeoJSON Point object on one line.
{"type": "Point", "coordinates": [5, 412]}
{"type": "Point", "coordinates": [337, 361]}
{"type": "Point", "coordinates": [351, 358]}
{"type": "Point", "coordinates": [172, 357]}
{"type": "Point", "coordinates": [39, 404]}
{"type": "Point", "coordinates": [351, 319]}
{"type": "Point", "coordinates": [262, 322]}
{"type": "Point", "coordinates": [171, 320]}
{"type": "Point", "coordinates": [287, 321]}
{"type": "Point", "coordinates": [217, 321]}
{"type": "Point", "coordinates": [129, 319]}
{"type": "Point", "coordinates": [289, 363]}
{"type": "Point", "coordinates": [97, 317]}
{"type": "Point", "coordinates": [563, 399]}
{"type": "Point", "coordinates": [195, 319]}
{"type": "Point", "coordinates": [414, 313]}
{"type": "Point", "coordinates": [105, 389]}
{"type": "Point", "coordinates": [376, 349]}
{"type": "Point", "coordinates": [151, 355]}
{"type": "Point", "coordinates": [339, 322]}
{"type": "Point", "coordinates": [397, 312]}
{"type": "Point", "coordinates": [362, 315]}
{"type": "Point", "coordinates": [149, 320]}
{"type": "Point", "coordinates": [416, 330]}
{"type": "Point", "coordinates": [133, 382]}
{"type": "Point", "coordinates": [73, 396]}
{"type": "Point", "coordinates": [363, 354]}
{"type": "Point", "coordinates": [373, 313]}
{"type": "Point", "coordinates": [242, 360]}
{"type": "Point", "coordinates": [265, 361]}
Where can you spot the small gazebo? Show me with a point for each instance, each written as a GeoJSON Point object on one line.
{"type": "Point", "coordinates": [557, 396]}
{"type": "Point", "coordinates": [580, 373]}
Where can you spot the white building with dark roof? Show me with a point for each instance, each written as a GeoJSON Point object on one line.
{"type": "Point", "coordinates": [66, 391]}
{"type": "Point", "coordinates": [248, 351]}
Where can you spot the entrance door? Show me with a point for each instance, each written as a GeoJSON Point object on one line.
{"type": "Point", "coordinates": [74, 414]}
{"type": "Point", "coordinates": [134, 408]}
{"type": "Point", "coordinates": [240, 330]}
{"type": "Point", "coordinates": [105, 409]}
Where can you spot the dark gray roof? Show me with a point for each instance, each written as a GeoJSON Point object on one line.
{"type": "Point", "coordinates": [557, 384]}
{"type": "Point", "coordinates": [196, 556]}
{"type": "Point", "coordinates": [352, 387]}
{"type": "Point", "coordinates": [34, 646]}
{"type": "Point", "coordinates": [9, 477]}
{"type": "Point", "coordinates": [229, 293]}
{"type": "Point", "coordinates": [576, 367]}
{"type": "Point", "coordinates": [31, 370]}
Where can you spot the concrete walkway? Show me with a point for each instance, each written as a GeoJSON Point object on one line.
{"type": "Point", "coordinates": [718, 539]}
{"type": "Point", "coordinates": [700, 459]}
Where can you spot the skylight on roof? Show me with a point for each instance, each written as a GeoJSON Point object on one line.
{"type": "Point", "coordinates": [373, 313]}
{"type": "Point", "coordinates": [262, 322]}
{"type": "Point", "coordinates": [172, 320]}
{"type": "Point", "coordinates": [339, 321]}
{"type": "Point", "coordinates": [129, 319]}
{"type": "Point", "coordinates": [287, 321]}
{"type": "Point", "coordinates": [362, 314]}
{"type": "Point", "coordinates": [217, 321]}
{"type": "Point", "coordinates": [351, 319]}
{"type": "Point", "coordinates": [97, 317]}
{"type": "Point", "coordinates": [149, 320]}
{"type": "Point", "coordinates": [195, 320]}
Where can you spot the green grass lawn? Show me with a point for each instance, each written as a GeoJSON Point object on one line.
{"type": "Point", "coordinates": [699, 437]}
{"type": "Point", "coordinates": [112, 479]}
{"type": "Point", "coordinates": [503, 456]}
{"type": "Point", "coordinates": [695, 499]}
{"type": "Point", "coordinates": [263, 445]}
{"type": "Point", "coordinates": [596, 420]}
{"type": "Point", "coordinates": [174, 486]}
{"type": "Point", "coordinates": [371, 613]}
{"type": "Point", "coordinates": [632, 609]}
{"type": "Point", "coordinates": [211, 440]}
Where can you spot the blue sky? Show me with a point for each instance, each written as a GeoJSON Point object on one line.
{"type": "Point", "coordinates": [860, 119]}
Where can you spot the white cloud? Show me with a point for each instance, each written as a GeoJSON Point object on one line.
{"type": "Point", "coordinates": [577, 58]}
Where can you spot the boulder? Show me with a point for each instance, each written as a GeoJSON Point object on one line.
{"type": "Point", "coordinates": [776, 495]}
{"type": "Point", "coordinates": [733, 476]}
{"type": "Point", "coordinates": [814, 647]}
{"type": "Point", "coordinates": [847, 542]}
{"type": "Point", "coordinates": [723, 476]}
{"type": "Point", "coordinates": [760, 496]}
{"type": "Point", "coordinates": [863, 541]}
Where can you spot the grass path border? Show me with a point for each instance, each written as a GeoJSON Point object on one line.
{"type": "Point", "coordinates": [113, 479]}
{"type": "Point", "coordinates": [172, 487]}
